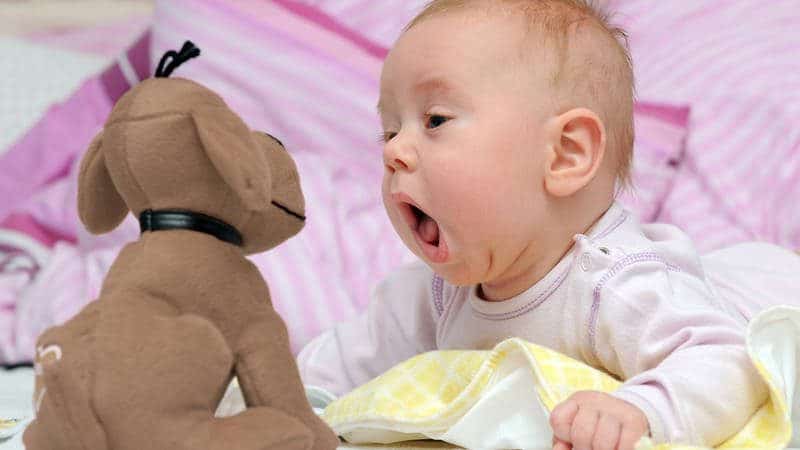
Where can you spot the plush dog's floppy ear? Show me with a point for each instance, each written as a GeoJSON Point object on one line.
{"type": "Point", "coordinates": [100, 206]}
{"type": "Point", "coordinates": [239, 161]}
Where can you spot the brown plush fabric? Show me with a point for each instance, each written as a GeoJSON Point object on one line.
{"type": "Point", "coordinates": [180, 312]}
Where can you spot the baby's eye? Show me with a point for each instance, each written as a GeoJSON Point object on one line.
{"type": "Point", "coordinates": [386, 136]}
{"type": "Point", "coordinates": [435, 120]}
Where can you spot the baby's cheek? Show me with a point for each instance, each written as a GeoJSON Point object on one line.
{"type": "Point", "coordinates": [459, 198]}
{"type": "Point", "coordinates": [461, 183]}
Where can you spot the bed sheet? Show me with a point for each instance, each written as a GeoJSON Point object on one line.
{"type": "Point", "coordinates": [16, 394]}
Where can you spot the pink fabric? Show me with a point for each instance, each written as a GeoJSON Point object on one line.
{"type": "Point", "coordinates": [307, 72]}
{"type": "Point", "coordinates": [661, 132]}
{"type": "Point", "coordinates": [45, 153]}
{"type": "Point", "coordinates": [735, 64]}
{"type": "Point", "coordinates": [26, 223]}
{"type": "Point", "coordinates": [104, 40]}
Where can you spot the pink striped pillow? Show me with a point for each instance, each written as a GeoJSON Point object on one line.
{"type": "Point", "coordinates": [661, 132]}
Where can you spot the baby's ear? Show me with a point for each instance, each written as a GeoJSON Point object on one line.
{"type": "Point", "coordinates": [575, 151]}
{"type": "Point", "coordinates": [100, 206]}
{"type": "Point", "coordinates": [240, 162]}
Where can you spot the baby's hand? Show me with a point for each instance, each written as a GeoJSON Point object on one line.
{"type": "Point", "coordinates": [591, 420]}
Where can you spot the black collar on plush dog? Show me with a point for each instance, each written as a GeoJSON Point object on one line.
{"type": "Point", "coordinates": [151, 220]}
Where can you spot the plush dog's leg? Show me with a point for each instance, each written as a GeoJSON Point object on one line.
{"type": "Point", "coordinates": [269, 376]}
{"type": "Point", "coordinates": [258, 429]}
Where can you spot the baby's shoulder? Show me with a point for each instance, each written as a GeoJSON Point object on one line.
{"type": "Point", "coordinates": [637, 262]}
{"type": "Point", "coordinates": [630, 250]}
{"type": "Point", "coordinates": [630, 242]}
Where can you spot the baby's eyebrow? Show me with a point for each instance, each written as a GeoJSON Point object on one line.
{"type": "Point", "coordinates": [433, 84]}
{"type": "Point", "coordinates": [426, 85]}
{"type": "Point", "coordinates": [436, 86]}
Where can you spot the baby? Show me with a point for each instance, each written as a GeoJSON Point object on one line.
{"type": "Point", "coordinates": [507, 128]}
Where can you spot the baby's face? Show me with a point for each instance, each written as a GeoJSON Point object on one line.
{"type": "Point", "coordinates": [464, 121]}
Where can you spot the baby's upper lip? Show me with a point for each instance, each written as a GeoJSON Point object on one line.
{"type": "Point", "coordinates": [404, 203]}
{"type": "Point", "coordinates": [402, 197]}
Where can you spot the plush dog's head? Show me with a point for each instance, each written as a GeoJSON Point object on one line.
{"type": "Point", "coordinates": [171, 143]}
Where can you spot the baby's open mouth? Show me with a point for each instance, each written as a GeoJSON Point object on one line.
{"type": "Point", "coordinates": [425, 228]}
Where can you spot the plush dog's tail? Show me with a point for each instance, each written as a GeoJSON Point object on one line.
{"type": "Point", "coordinates": [187, 52]}
{"type": "Point", "coordinates": [65, 419]}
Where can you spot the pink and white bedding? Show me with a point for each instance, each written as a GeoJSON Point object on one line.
{"type": "Point", "coordinates": [717, 149]}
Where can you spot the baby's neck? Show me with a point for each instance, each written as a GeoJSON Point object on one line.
{"type": "Point", "coordinates": [540, 257]}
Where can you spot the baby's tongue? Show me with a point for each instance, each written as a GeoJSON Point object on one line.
{"type": "Point", "coordinates": [429, 231]}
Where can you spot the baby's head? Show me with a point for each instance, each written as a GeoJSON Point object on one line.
{"type": "Point", "coordinates": [507, 125]}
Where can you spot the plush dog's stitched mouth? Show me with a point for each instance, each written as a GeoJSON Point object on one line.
{"type": "Point", "coordinates": [288, 211]}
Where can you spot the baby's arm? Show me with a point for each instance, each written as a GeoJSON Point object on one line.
{"type": "Point", "coordinates": [684, 361]}
{"type": "Point", "coordinates": [400, 322]}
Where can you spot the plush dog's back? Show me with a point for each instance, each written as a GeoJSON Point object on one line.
{"type": "Point", "coordinates": [143, 367]}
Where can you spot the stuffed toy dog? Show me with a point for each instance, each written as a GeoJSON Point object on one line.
{"type": "Point", "coordinates": [181, 310]}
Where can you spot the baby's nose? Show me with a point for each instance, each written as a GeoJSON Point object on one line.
{"type": "Point", "coordinates": [399, 154]}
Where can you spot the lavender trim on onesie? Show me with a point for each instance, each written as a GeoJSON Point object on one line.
{"type": "Point", "coordinates": [528, 306]}
{"type": "Point", "coordinates": [437, 285]}
{"type": "Point", "coordinates": [620, 220]}
{"type": "Point", "coordinates": [616, 268]}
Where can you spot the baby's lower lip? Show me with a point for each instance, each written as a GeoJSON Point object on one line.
{"type": "Point", "coordinates": [435, 254]}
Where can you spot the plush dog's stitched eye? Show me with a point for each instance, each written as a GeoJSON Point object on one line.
{"type": "Point", "coordinates": [275, 139]}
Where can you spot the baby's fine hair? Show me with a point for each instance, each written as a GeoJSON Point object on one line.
{"type": "Point", "coordinates": [593, 66]}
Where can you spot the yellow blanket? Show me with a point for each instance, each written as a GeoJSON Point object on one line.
{"type": "Point", "coordinates": [427, 396]}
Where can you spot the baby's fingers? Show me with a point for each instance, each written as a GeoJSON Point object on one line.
{"type": "Point", "coordinates": [583, 428]}
{"type": "Point", "coordinates": [561, 445]}
{"type": "Point", "coordinates": [629, 437]}
{"type": "Point", "coordinates": [561, 419]}
{"type": "Point", "coordinates": [607, 434]}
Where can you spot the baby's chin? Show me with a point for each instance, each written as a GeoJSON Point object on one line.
{"type": "Point", "coordinates": [455, 272]}
{"type": "Point", "coordinates": [455, 275]}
